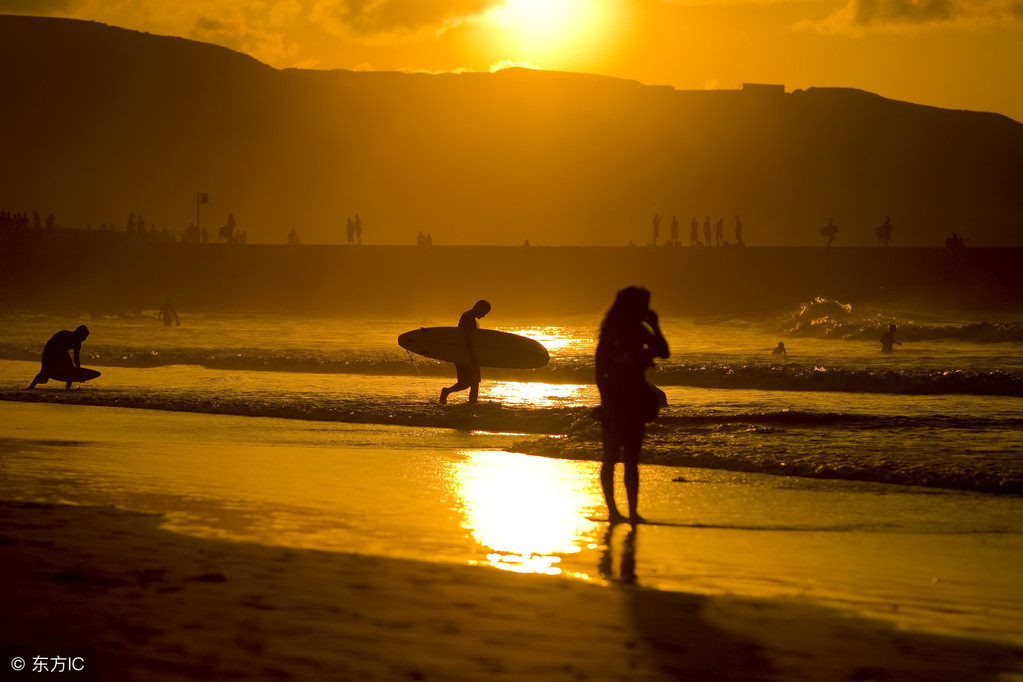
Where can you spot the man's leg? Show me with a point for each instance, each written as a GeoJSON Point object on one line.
{"type": "Point", "coordinates": [445, 392]}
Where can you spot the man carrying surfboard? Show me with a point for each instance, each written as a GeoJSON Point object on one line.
{"type": "Point", "coordinates": [468, 375]}
{"type": "Point", "coordinates": [57, 364]}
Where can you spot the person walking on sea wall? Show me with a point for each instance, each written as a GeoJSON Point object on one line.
{"type": "Point", "coordinates": [884, 232]}
{"type": "Point", "coordinates": [830, 230]}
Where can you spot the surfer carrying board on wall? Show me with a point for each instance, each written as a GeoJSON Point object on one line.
{"type": "Point", "coordinates": [58, 364]}
{"type": "Point", "coordinates": [468, 374]}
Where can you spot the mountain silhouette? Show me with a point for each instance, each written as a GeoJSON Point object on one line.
{"type": "Point", "coordinates": [100, 122]}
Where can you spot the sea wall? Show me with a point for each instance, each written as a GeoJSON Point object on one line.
{"type": "Point", "coordinates": [112, 274]}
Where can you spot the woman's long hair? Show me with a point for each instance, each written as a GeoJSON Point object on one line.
{"type": "Point", "coordinates": [629, 308]}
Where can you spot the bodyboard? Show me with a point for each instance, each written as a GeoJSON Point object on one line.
{"type": "Point", "coordinates": [75, 374]}
{"type": "Point", "coordinates": [493, 348]}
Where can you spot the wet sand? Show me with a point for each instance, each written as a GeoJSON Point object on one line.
{"type": "Point", "coordinates": [156, 605]}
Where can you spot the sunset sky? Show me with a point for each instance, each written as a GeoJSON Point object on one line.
{"type": "Point", "coordinates": [961, 54]}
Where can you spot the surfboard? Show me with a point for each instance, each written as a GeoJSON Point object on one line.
{"type": "Point", "coordinates": [493, 348]}
{"type": "Point", "coordinates": [76, 374]}
{"type": "Point", "coordinates": [70, 373]}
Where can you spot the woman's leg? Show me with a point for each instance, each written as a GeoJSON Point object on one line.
{"type": "Point", "coordinates": [607, 474]}
{"type": "Point", "coordinates": [631, 448]}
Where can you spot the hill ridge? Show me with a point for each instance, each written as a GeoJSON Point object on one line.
{"type": "Point", "coordinates": [112, 121]}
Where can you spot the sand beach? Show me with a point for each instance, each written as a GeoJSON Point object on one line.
{"type": "Point", "coordinates": [144, 595]}
{"type": "Point", "coordinates": [156, 605]}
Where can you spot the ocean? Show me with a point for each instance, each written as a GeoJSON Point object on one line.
{"type": "Point", "coordinates": [889, 484]}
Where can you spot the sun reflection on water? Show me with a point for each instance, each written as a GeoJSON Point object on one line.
{"type": "Point", "coordinates": [525, 511]}
{"type": "Point", "coordinates": [552, 338]}
{"type": "Point", "coordinates": [539, 394]}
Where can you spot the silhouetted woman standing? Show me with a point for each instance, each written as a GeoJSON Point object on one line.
{"type": "Point", "coordinates": [630, 339]}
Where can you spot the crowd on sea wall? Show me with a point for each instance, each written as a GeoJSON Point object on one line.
{"type": "Point", "coordinates": [13, 225]}
{"type": "Point", "coordinates": [24, 225]}
{"type": "Point", "coordinates": [20, 222]}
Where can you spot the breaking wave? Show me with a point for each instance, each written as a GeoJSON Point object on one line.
{"type": "Point", "coordinates": [830, 319]}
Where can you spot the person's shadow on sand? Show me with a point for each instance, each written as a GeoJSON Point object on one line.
{"type": "Point", "coordinates": [671, 627]}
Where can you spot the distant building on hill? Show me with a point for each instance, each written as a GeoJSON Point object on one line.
{"type": "Point", "coordinates": [763, 89]}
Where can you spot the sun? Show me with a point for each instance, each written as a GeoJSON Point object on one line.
{"type": "Point", "coordinates": [548, 29]}
{"type": "Point", "coordinates": [542, 20]}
